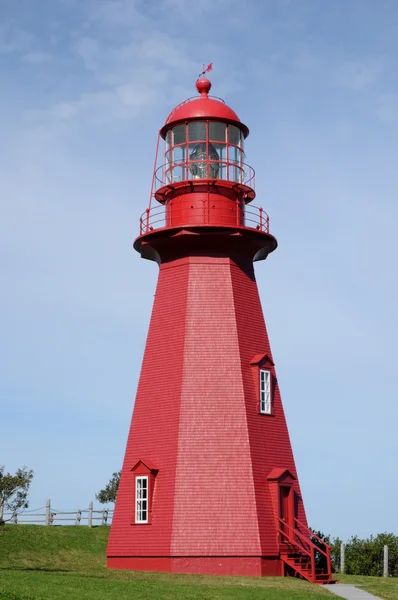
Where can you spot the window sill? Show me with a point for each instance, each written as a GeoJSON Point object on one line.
{"type": "Point", "coordinates": [266, 414]}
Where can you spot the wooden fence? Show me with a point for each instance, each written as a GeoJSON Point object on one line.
{"type": "Point", "coordinates": [52, 516]}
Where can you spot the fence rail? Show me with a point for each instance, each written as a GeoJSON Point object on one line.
{"type": "Point", "coordinates": [88, 516]}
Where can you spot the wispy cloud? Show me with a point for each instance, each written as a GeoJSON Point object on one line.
{"type": "Point", "coordinates": [14, 39]}
{"type": "Point", "coordinates": [37, 57]}
{"type": "Point", "coordinates": [358, 75]}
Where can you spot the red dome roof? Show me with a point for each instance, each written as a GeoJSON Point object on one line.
{"type": "Point", "coordinates": [203, 107]}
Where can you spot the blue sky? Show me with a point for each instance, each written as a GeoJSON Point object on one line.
{"type": "Point", "coordinates": [85, 87]}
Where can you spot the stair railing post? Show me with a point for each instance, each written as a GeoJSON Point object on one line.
{"type": "Point", "coordinates": [313, 564]}
{"type": "Point", "coordinates": [342, 558]}
{"type": "Point", "coordinates": [90, 514]}
{"type": "Point", "coordinates": [48, 512]}
{"type": "Point", "coordinates": [385, 569]}
{"type": "Point", "coordinates": [329, 562]}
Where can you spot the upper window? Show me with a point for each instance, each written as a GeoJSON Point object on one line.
{"type": "Point", "coordinates": [265, 392]}
{"type": "Point", "coordinates": [141, 499]}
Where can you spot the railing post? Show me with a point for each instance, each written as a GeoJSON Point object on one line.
{"type": "Point", "coordinates": [313, 564]}
{"type": "Point", "coordinates": [342, 558]}
{"type": "Point", "coordinates": [385, 566]}
{"type": "Point", "coordinates": [261, 218]}
{"type": "Point", "coordinates": [237, 212]}
{"type": "Point", "coordinates": [48, 512]}
{"type": "Point", "coordinates": [140, 225]}
{"type": "Point", "coordinates": [147, 219]}
{"type": "Point", "coordinates": [267, 224]}
{"type": "Point", "coordinates": [329, 562]}
{"type": "Point", "coordinates": [90, 514]}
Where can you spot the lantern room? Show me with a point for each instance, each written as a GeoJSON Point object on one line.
{"type": "Point", "coordinates": [201, 178]}
{"type": "Point", "coordinates": [203, 139]}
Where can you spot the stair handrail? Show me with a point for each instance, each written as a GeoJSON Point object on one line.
{"type": "Point", "coordinates": [297, 533]}
{"type": "Point", "coordinates": [293, 540]}
{"type": "Point", "coordinates": [314, 535]}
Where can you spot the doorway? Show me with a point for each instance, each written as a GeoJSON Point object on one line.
{"type": "Point", "coordinates": [286, 510]}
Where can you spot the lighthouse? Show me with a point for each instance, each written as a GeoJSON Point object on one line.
{"type": "Point", "coordinates": [209, 483]}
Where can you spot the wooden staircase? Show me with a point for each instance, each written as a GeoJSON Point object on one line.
{"type": "Point", "coordinates": [300, 555]}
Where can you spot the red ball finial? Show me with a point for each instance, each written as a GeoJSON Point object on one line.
{"type": "Point", "coordinates": [203, 86]}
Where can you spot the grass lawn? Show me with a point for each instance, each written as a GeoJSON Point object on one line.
{"type": "Point", "coordinates": [65, 563]}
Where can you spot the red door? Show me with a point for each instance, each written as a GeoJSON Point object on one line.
{"type": "Point", "coordinates": [285, 510]}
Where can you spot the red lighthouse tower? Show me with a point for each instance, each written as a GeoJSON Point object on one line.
{"type": "Point", "coordinates": [209, 483]}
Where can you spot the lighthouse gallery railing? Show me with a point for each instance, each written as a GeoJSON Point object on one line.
{"type": "Point", "coordinates": [249, 217]}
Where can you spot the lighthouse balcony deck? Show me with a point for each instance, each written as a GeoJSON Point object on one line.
{"type": "Point", "coordinates": [204, 214]}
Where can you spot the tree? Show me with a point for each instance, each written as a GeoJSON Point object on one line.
{"type": "Point", "coordinates": [320, 558]}
{"type": "Point", "coordinates": [108, 494]}
{"type": "Point", "coordinates": [14, 490]}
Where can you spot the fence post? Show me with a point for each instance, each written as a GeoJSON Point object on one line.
{"type": "Point", "coordinates": [342, 558]}
{"type": "Point", "coordinates": [48, 512]}
{"type": "Point", "coordinates": [385, 569]}
{"type": "Point", "coordinates": [90, 514]}
{"type": "Point", "coordinates": [1, 511]}
{"type": "Point", "coordinates": [78, 517]}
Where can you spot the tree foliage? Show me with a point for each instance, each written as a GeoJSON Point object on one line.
{"type": "Point", "coordinates": [366, 556]}
{"type": "Point", "coordinates": [362, 556]}
{"type": "Point", "coordinates": [14, 490]}
{"type": "Point", "coordinates": [108, 494]}
{"type": "Point", "coordinates": [335, 546]}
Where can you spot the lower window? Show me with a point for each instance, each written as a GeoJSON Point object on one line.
{"type": "Point", "coordinates": [141, 499]}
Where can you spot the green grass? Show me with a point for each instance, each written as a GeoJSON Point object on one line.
{"type": "Point", "coordinates": [379, 586]}
{"type": "Point", "coordinates": [65, 563]}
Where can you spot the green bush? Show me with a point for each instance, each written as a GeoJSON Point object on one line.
{"type": "Point", "coordinates": [366, 557]}
{"type": "Point", "coordinates": [362, 556]}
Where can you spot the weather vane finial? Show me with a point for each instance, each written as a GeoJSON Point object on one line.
{"type": "Point", "coordinates": [206, 70]}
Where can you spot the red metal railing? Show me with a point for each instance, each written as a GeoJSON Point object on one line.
{"type": "Point", "coordinates": [301, 537]}
{"type": "Point", "coordinates": [166, 216]}
{"type": "Point", "coordinates": [227, 170]}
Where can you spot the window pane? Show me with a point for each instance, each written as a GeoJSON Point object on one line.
{"type": "Point", "coordinates": [197, 131]}
{"type": "Point", "coordinates": [177, 174]}
{"type": "Point", "coordinates": [233, 135]}
{"type": "Point", "coordinates": [179, 154]}
{"type": "Point", "coordinates": [234, 154]}
{"type": "Point", "coordinates": [179, 134]}
{"type": "Point", "coordinates": [217, 131]}
{"type": "Point", "coordinates": [221, 150]}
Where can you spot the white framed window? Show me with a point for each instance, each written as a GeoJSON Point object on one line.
{"type": "Point", "coordinates": [141, 499]}
{"type": "Point", "coordinates": [265, 392]}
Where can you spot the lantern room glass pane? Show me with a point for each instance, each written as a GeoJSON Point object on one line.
{"type": "Point", "coordinates": [217, 131]}
{"type": "Point", "coordinates": [179, 134]}
{"type": "Point", "coordinates": [221, 150]}
{"type": "Point", "coordinates": [179, 154]}
{"type": "Point", "coordinates": [233, 135]}
{"type": "Point", "coordinates": [196, 131]}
